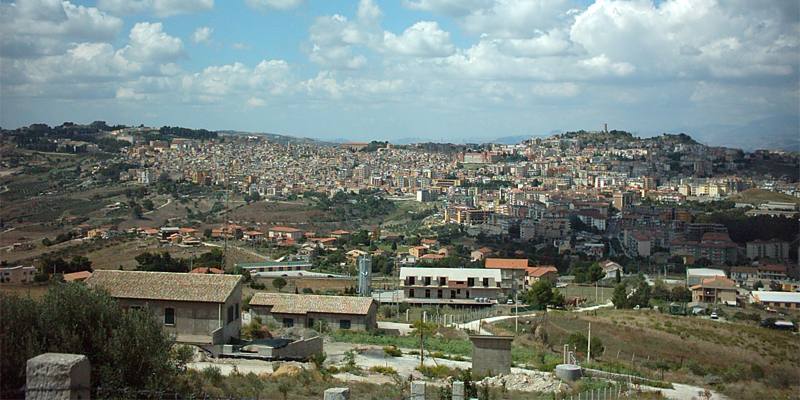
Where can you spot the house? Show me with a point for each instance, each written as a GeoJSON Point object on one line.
{"type": "Point", "coordinates": [417, 251]}
{"type": "Point", "coordinates": [429, 243]}
{"type": "Point", "coordinates": [451, 286]}
{"type": "Point", "coordinates": [535, 274]}
{"type": "Point", "coordinates": [195, 308]}
{"type": "Point", "coordinates": [311, 311]}
{"type": "Point", "coordinates": [431, 258]}
{"type": "Point", "coordinates": [79, 276]}
{"type": "Point", "coordinates": [788, 300]}
{"type": "Point", "coordinates": [639, 243]}
{"type": "Point", "coordinates": [772, 272]}
{"type": "Point", "coordinates": [695, 276]}
{"type": "Point", "coordinates": [744, 275]}
{"type": "Point", "coordinates": [717, 289]}
{"type": "Point", "coordinates": [480, 254]}
{"type": "Point", "coordinates": [340, 234]}
{"type": "Point", "coordinates": [611, 269]}
{"type": "Point", "coordinates": [17, 275]}
{"type": "Point", "coordinates": [513, 271]}
{"type": "Point", "coordinates": [253, 236]}
{"type": "Point", "coordinates": [284, 232]}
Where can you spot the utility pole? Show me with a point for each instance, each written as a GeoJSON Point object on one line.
{"type": "Point", "coordinates": [589, 345]}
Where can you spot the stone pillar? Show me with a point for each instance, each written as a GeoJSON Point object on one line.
{"type": "Point", "coordinates": [458, 390]}
{"type": "Point", "coordinates": [58, 376]}
{"type": "Point", "coordinates": [337, 394]}
{"type": "Point", "coordinates": [417, 390]}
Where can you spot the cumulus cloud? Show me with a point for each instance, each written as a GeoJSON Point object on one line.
{"type": "Point", "coordinates": [423, 39]}
{"type": "Point", "coordinates": [202, 34]}
{"type": "Point", "coordinates": [274, 4]}
{"type": "Point", "coordinates": [160, 8]}
{"type": "Point", "coordinates": [149, 43]}
{"type": "Point", "coordinates": [30, 28]}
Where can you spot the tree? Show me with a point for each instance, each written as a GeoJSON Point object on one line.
{"type": "Point", "coordinates": [279, 283]}
{"type": "Point", "coordinates": [540, 294]}
{"type": "Point", "coordinates": [161, 262]}
{"type": "Point", "coordinates": [148, 204]}
{"type": "Point", "coordinates": [758, 285]}
{"type": "Point", "coordinates": [641, 295]}
{"type": "Point", "coordinates": [620, 296]}
{"type": "Point", "coordinates": [422, 329]}
{"type": "Point", "coordinates": [579, 342]}
{"type": "Point", "coordinates": [207, 233]}
{"type": "Point", "coordinates": [681, 294]}
{"type": "Point", "coordinates": [126, 349]}
{"type": "Point", "coordinates": [660, 291]}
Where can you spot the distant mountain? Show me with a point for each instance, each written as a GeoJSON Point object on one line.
{"type": "Point", "coordinates": [774, 133]}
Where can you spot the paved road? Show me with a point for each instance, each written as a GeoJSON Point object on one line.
{"type": "Point", "coordinates": [592, 308]}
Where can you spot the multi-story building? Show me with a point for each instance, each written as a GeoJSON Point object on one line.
{"type": "Point", "coordinates": [16, 275]}
{"type": "Point", "coordinates": [772, 249]}
{"type": "Point", "coordinates": [451, 286]}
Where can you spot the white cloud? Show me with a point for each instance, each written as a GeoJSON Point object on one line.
{"type": "Point", "coordinates": [274, 4]}
{"type": "Point", "coordinates": [160, 8]}
{"type": "Point", "coordinates": [423, 39]}
{"type": "Point", "coordinates": [202, 34]}
{"type": "Point", "coordinates": [149, 43]}
{"type": "Point", "coordinates": [332, 42]}
{"type": "Point", "coordinates": [30, 28]}
{"type": "Point", "coordinates": [448, 7]}
{"type": "Point", "coordinates": [269, 77]}
{"type": "Point", "coordinates": [254, 102]}
{"type": "Point", "coordinates": [368, 11]}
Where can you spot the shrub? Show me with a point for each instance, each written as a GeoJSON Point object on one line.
{"type": "Point", "coordinates": [438, 371]}
{"type": "Point", "coordinates": [392, 351]}
{"type": "Point", "coordinates": [383, 370]}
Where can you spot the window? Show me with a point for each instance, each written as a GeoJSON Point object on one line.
{"type": "Point", "coordinates": [427, 293]}
{"type": "Point", "coordinates": [442, 281]}
{"type": "Point", "coordinates": [411, 281]}
{"type": "Point", "coordinates": [485, 282]}
{"type": "Point", "coordinates": [236, 314]}
{"type": "Point", "coordinates": [411, 293]}
{"type": "Point", "coordinates": [288, 322]}
{"type": "Point", "coordinates": [230, 314]}
{"type": "Point", "coordinates": [344, 324]}
{"type": "Point", "coordinates": [452, 294]}
{"type": "Point", "coordinates": [439, 293]}
{"type": "Point", "coordinates": [427, 281]}
{"type": "Point", "coordinates": [310, 322]}
{"type": "Point", "coordinates": [169, 316]}
{"type": "Point", "coordinates": [470, 281]}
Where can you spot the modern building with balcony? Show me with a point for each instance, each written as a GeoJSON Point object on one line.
{"type": "Point", "coordinates": [451, 286]}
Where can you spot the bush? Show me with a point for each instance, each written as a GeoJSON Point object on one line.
{"type": "Point", "coordinates": [383, 370]}
{"type": "Point", "coordinates": [438, 371]}
{"type": "Point", "coordinates": [392, 351]}
{"type": "Point", "coordinates": [126, 349]}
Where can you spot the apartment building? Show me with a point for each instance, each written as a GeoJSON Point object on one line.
{"type": "Point", "coordinates": [451, 286]}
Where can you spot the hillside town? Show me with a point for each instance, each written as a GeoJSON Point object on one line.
{"type": "Point", "coordinates": [356, 259]}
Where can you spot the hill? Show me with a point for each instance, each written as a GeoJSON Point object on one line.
{"type": "Point", "coordinates": [759, 196]}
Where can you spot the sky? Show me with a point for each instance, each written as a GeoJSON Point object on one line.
{"type": "Point", "coordinates": [725, 72]}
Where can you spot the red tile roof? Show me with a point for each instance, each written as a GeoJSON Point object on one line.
{"type": "Point", "coordinates": [506, 263]}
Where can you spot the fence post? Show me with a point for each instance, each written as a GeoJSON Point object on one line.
{"type": "Point", "coordinates": [417, 390]}
{"type": "Point", "coordinates": [58, 376]}
{"type": "Point", "coordinates": [458, 390]}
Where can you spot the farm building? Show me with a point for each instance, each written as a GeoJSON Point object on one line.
{"type": "Point", "coordinates": [195, 308]}
{"type": "Point", "coordinates": [337, 312]}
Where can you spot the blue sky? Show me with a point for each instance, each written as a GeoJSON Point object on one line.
{"type": "Point", "coordinates": [454, 70]}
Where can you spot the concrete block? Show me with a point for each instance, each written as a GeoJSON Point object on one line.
{"type": "Point", "coordinates": [458, 390]}
{"type": "Point", "coordinates": [58, 376]}
{"type": "Point", "coordinates": [337, 394]}
{"type": "Point", "coordinates": [417, 390]}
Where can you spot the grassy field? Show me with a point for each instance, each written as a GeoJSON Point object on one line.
{"type": "Point", "coordinates": [599, 295]}
{"type": "Point", "coordinates": [758, 196]}
{"type": "Point", "coordinates": [746, 361]}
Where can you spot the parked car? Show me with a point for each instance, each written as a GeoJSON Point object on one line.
{"type": "Point", "coordinates": [714, 315]}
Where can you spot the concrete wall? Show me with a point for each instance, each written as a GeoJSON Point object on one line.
{"type": "Point", "coordinates": [491, 355]}
{"type": "Point", "coordinates": [297, 350]}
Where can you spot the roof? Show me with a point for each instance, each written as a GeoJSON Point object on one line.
{"type": "Point", "coordinates": [744, 270]}
{"type": "Point", "coordinates": [265, 264]}
{"type": "Point", "coordinates": [776, 297]}
{"type": "Point", "coordinates": [285, 303]}
{"type": "Point", "coordinates": [507, 263]}
{"type": "Point", "coordinates": [541, 271]}
{"type": "Point", "coordinates": [208, 288]}
{"type": "Point", "coordinates": [454, 274]}
{"type": "Point", "coordinates": [77, 276]}
{"type": "Point", "coordinates": [206, 270]}
{"type": "Point", "coordinates": [704, 272]}
{"type": "Point", "coordinates": [717, 282]}
{"type": "Point", "coordinates": [283, 229]}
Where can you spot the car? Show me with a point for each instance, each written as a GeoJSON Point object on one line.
{"type": "Point", "coordinates": [714, 315]}
{"type": "Point", "coordinates": [510, 301]}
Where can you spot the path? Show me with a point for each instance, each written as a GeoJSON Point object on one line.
{"type": "Point", "coordinates": [681, 391]}
{"type": "Point", "coordinates": [475, 326]}
{"type": "Point", "coordinates": [169, 200]}
{"type": "Point", "coordinates": [592, 308]}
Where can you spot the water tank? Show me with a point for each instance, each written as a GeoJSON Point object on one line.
{"type": "Point", "coordinates": [568, 372]}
